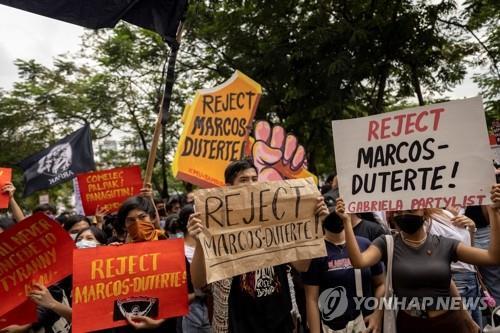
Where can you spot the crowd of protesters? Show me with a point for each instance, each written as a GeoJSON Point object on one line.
{"type": "Point", "coordinates": [435, 253]}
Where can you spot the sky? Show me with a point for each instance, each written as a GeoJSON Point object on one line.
{"type": "Point", "coordinates": [28, 36]}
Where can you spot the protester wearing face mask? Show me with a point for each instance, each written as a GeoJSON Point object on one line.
{"type": "Point", "coordinates": [138, 215]}
{"type": "Point", "coordinates": [421, 267]}
{"type": "Point", "coordinates": [75, 223]}
{"type": "Point", "coordinates": [90, 237]}
{"type": "Point", "coordinates": [335, 271]}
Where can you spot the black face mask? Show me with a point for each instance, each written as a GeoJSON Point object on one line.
{"type": "Point", "coordinates": [333, 223]}
{"type": "Point", "coordinates": [409, 223]}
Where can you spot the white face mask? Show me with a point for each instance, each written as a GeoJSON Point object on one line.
{"type": "Point", "coordinates": [85, 244]}
{"type": "Point", "coordinates": [73, 236]}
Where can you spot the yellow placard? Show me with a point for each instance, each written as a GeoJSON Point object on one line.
{"type": "Point", "coordinates": [216, 127]}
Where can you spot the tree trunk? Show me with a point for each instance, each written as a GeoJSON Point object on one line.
{"type": "Point", "coordinates": [379, 104]}
{"type": "Point", "coordinates": [416, 85]}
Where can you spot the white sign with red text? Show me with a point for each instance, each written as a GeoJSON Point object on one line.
{"type": "Point", "coordinates": [425, 157]}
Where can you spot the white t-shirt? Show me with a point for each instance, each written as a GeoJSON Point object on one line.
{"type": "Point", "coordinates": [447, 229]}
{"type": "Point", "coordinates": [189, 252]}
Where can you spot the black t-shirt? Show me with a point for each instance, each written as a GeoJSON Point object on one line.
{"type": "Point", "coordinates": [260, 302]}
{"type": "Point", "coordinates": [424, 271]}
{"type": "Point", "coordinates": [369, 229]}
{"type": "Point", "coordinates": [475, 213]}
{"type": "Point", "coordinates": [335, 270]}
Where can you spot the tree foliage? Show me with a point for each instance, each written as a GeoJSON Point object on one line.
{"type": "Point", "coordinates": [316, 61]}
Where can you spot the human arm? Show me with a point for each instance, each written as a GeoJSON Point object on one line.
{"type": "Point", "coordinates": [490, 257]}
{"type": "Point", "coordinates": [16, 329]}
{"type": "Point", "coordinates": [367, 258]}
{"type": "Point", "coordinates": [42, 296]}
{"type": "Point", "coordinates": [313, 318]}
{"type": "Point", "coordinates": [374, 320]}
{"type": "Point", "coordinates": [198, 274]}
{"type": "Point", "coordinates": [17, 212]}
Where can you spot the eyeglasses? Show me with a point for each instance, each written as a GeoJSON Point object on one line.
{"type": "Point", "coordinates": [138, 217]}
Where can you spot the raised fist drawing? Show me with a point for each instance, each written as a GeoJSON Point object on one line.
{"type": "Point", "coordinates": [276, 155]}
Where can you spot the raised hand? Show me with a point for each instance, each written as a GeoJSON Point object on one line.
{"type": "Point", "coordinates": [276, 155]}
{"type": "Point", "coordinates": [340, 210]}
{"type": "Point", "coordinates": [194, 226]}
{"type": "Point", "coordinates": [100, 213]}
{"type": "Point", "coordinates": [495, 196]}
{"type": "Point", "coordinates": [42, 296]}
{"type": "Point", "coordinates": [9, 189]}
{"type": "Point", "coordinates": [147, 191]}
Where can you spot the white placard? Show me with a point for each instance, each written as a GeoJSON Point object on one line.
{"type": "Point", "coordinates": [425, 157]}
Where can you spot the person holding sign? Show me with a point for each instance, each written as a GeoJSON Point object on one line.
{"type": "Point", "coordinates": [421, 267]}
{"type": "Point", "coordinates": [138, 215]}
{"type": "Point", "coordinates": [258, 301]}
{"type": "Point", "coordinates": [17, 212]}
{"type": "Point", "coordinates": [334, 273]}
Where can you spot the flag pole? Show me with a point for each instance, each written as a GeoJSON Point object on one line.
{"type": "Point", "coordinates": [164, 105]}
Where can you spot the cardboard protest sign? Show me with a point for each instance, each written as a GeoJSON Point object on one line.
{"type": "Point", "coordinates": [259, 225]}
{"type": "Point", "coordinates": [5, 177]}
{"type": "Point", "coordinates": [36, 249]}
{"type": "Point", "coordinates": [21, 315]}
{"type": "Point", "coordinates": [108, 188]}
{"type": "Point", "coordinates": [110, 282]}
{"type": "Point", "coordinates": [216, 127]}
{"type": "Point", "coordinates": [425, 157]}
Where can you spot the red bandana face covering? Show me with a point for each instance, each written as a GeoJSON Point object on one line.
{"type": "Point", "coordinates": [142, 231]}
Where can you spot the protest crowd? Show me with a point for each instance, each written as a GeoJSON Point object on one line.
{"type": "Point", "coordinates": [434, 254]}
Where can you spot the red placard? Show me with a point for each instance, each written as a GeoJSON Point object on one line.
{"type": "Point", "coordinates": [37, 249]}
{"type": "Point", "coordinates": [110, 281]}
{"type": "Point", "coordinates": [5, 177]}
{"type": "Point", "coordinates": [22, 315]}
{"type": "Point", "coordinates": [108, 188]}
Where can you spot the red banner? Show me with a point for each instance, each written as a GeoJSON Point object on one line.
{"type": "Point", "coordinates": [22, 315]}
{"type": "Point", "coordinates": [108, 188]}
{"type": "Point", "coordinates": [5, 177]}
{"type": "Point", "coordinates": [36, 249]}
{"type": "Point", "coordinates": [110, 282]}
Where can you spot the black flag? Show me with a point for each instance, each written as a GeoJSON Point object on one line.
{"type": "Point", "coordinates": [162, 16]}
{"type": "Point", "coordinates": [59, 162]}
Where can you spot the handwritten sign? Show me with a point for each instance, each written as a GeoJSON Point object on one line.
{"type": "Point", "coordinates": [110, 282]}
{"type": "Point", "coordinates": [259, 225]}
{"type": "Point", "coordinates": [36, 249]}
{"type": "Point", "coordinates": [425, 157]}
{"type": "Point", "coordinates": [216, 127]}
{"type": "Point", "coordinates": [108, 188]}
{"type": "Point", "coordinates": [5, 177]}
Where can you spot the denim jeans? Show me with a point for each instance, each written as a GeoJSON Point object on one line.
{"type": "Point", "coordinates": [490, 274]}
{"type": "Point", "coordinates": [196, 320]}
{"type": "Point", "coordinates": [468, 287]}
